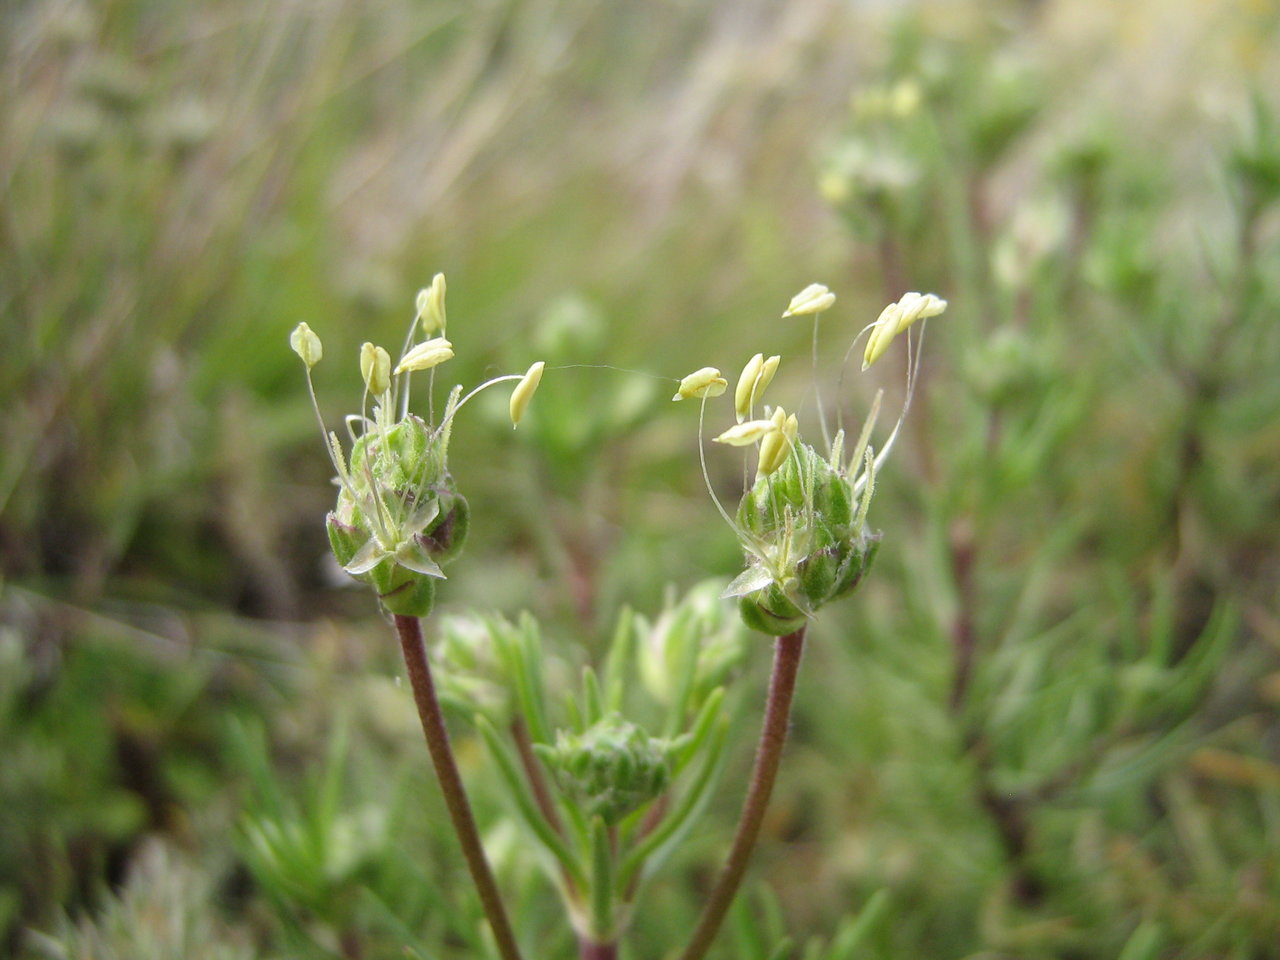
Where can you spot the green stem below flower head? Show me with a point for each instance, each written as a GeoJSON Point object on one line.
{"type": "Point", "coordinates": [455, 795]}
{"type": "Point", "coordinates": [773, 736]}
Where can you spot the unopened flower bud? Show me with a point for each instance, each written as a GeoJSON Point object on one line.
{"type": "Point", "coordinates": [524, 390]}
{"type": "Point", "coordinates": [426, 355]}
{"type": "Point", "coordinates": [471, 673]}
{"type": "Point", "coordinates": [812, 299]}
{"type": "Point", "coordinates": [705, 382]}
{"type": "Point", "coordinates": [698, 626]}
{"type": "Point", "coordinates": [614, 766]}
{"type": "Point", "coordinates": [306, 345]}
{"type": "Point", "coordinates": [375, 367]}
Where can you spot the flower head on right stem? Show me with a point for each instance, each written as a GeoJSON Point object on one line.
{"type": "Point", "coordinates": [802, 523]}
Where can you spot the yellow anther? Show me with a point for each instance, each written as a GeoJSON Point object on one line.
{"type": "Point", "coordinates": [746, 388]}
{"type": "Point", "coordinates": [812, 299]}
{"type": "Point", "coordinates": [756, 375]}
{"type": "Point", "coordinates": [776, 445]}
{"type": "Point", "coordinates": [523, 392]}
{"type": "Point", "coordinates": [706, 382]}
{"type": "Point", "coordinates": [897, 317]}
{"type": "Point", "coordinates": [791, 428]}
{"type": "Point", "coordinates": [430, 304]}
{"type": "Point", "coordinates": [375, 367]}
{"type": "Point", "coordinates": [426, 355]}
{"type": "Point", "coordinates": [745, 434]}
{"type": "Point", "coordinates": [306, 345]}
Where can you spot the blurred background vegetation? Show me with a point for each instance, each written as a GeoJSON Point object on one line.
{"type": "Point", "coordinates": [1049, 725]}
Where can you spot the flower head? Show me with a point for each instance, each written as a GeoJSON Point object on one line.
{"type": "Point", "coordinates": [399, 516]}
{"type": "Point", "coordinates": [802, 524]}
{"type": "Point", "coordinates": [613, 766]}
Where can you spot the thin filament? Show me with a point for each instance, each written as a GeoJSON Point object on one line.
{"type": "Point", "coordinates": [702, 458]}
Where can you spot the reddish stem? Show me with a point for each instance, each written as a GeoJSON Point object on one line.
{"type": "Point", "coordinates": [455, 794]}
{"type": "Point", "coordinates": [597, 951]}
{"type": "Point", "coordinates": [773, 736]}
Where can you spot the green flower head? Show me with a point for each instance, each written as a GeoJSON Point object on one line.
{"type": "Point", "coordinates": [399, 516]}
{"type": "Point", "coordinates": [802, 523]}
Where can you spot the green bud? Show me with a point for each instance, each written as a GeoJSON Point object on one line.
{"type": "Point", "coordinates": [402, 591]}
{"type": "Point", "coordinates": [613, 767]}
{"type": "Point", "coordinates": [770, 611]}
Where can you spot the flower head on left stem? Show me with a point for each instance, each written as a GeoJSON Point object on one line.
{"type": "Point", "coordinates": [399, 516]}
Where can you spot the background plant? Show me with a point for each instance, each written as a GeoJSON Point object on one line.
{"type": "Point", "coordinates": [1086, 501]}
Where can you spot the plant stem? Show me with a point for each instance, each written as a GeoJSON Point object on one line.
{"type": "Point", "coordinates": [455, 795]}
{"type": "Point", "coordinates": [773, 735]}
{"type": "Point", "coordinates": [533, 773]}
{"type": "Point", "coordinates": [597, 951]}
{"type": "Point", "coordinates": [541, 792]}
{"type": "Point", "coordinates": [600, 923]}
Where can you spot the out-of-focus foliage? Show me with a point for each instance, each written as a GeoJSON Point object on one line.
{"type": "Point", "coordinates": [1047, 724]}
